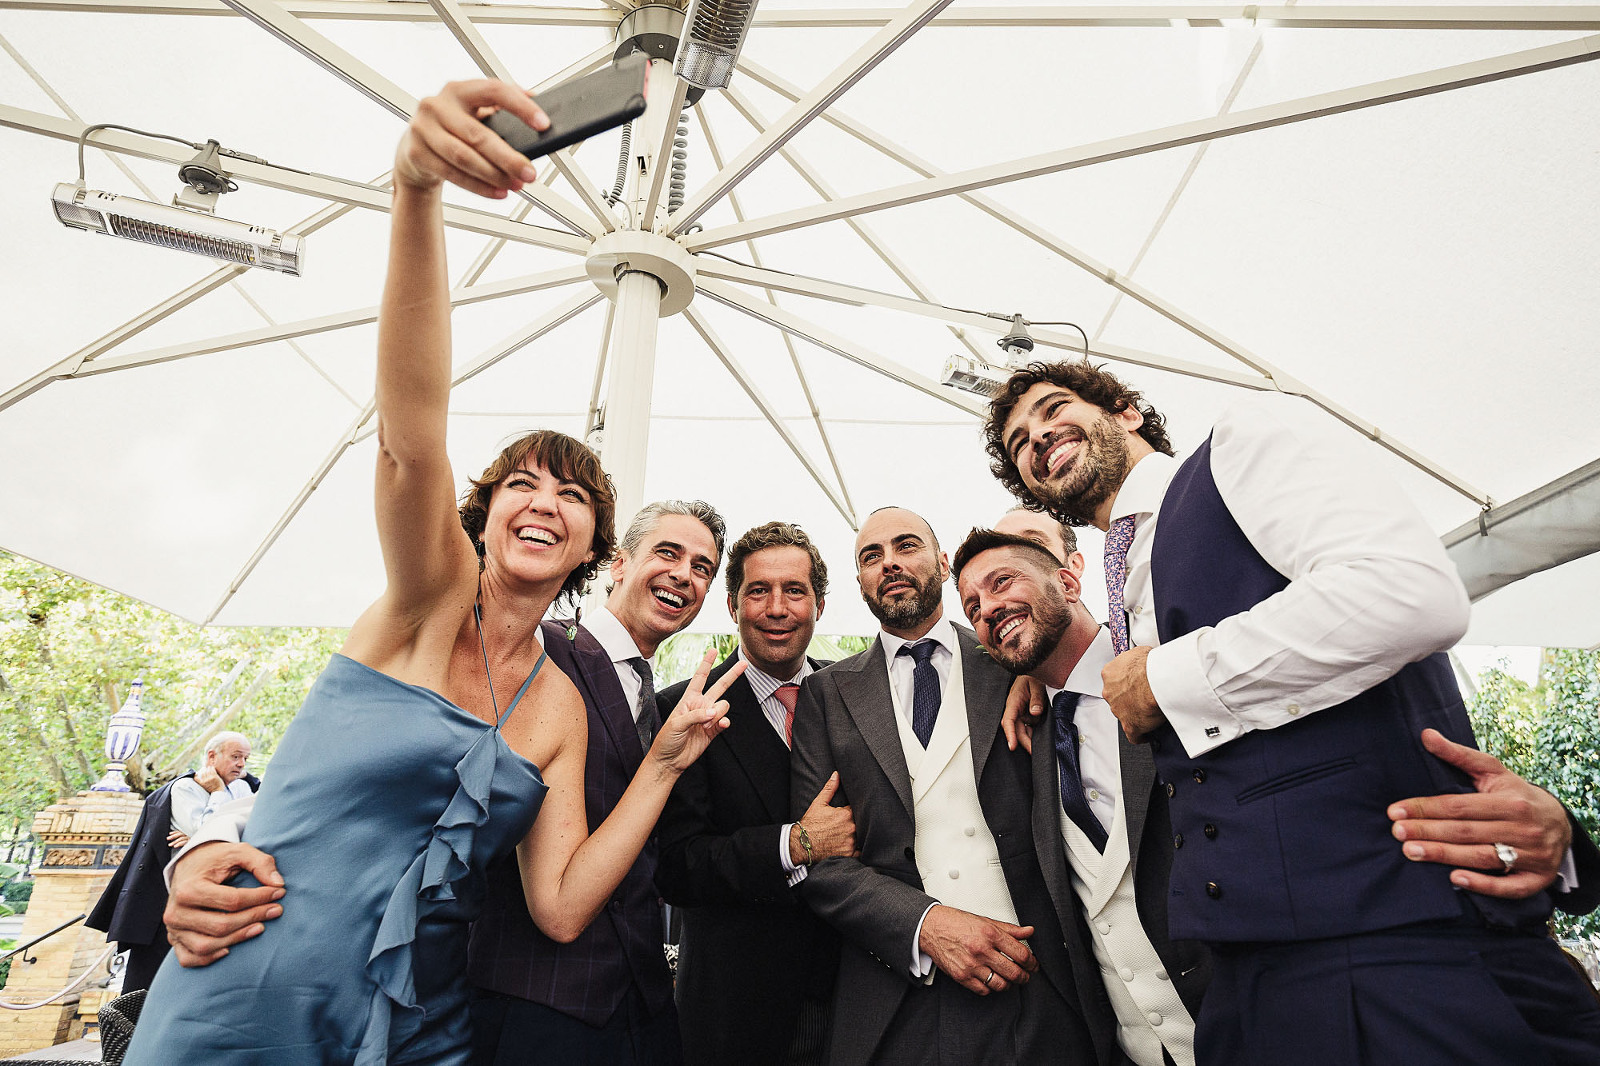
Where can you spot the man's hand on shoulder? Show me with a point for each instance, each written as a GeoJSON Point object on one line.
{"type": "Point", "coordinates": [1462, 830]}
{"type": "Point", "coordinates": [1125, 684]}
{"type": "Point", "coordinates": [204, 916]}
{"type": "Point", "coordinates": [982, 954]}
{"type": "Point", "coordinates": [1024, 709]}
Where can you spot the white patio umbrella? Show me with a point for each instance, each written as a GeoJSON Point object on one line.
{"type": "Point", "coordinates": [1386, 209]}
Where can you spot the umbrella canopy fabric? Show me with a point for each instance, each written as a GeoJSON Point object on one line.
{"type": "Point", "coordinates": [1387, 209]}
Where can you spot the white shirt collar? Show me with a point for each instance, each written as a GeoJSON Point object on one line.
{"type": "Point", "coordinates": [943, 634]}
{"type": "Point", "coordinates": [764, 684]}
{"type": "Point", "coordinates": [613, 637]}
{"type": "Point", "coordinates": [1145, 485]}
{"type": "Point", "coordinates": [1085, 677]}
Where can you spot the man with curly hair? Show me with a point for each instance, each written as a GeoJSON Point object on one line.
{"type": "Point", "coordinates": [1279, 623]}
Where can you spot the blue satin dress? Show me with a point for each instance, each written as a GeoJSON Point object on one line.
{"type": "Point", "coordinates": [384, 806]}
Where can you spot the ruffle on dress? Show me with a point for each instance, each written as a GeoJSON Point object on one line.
{"type": "Point", "coordinates": [432, 876]}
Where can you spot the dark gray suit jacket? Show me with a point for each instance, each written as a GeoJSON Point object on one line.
{"type": "Point", "coordinates": [845, 722]}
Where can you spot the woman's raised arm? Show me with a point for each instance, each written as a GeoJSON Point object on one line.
{"type": "Point", "coordinates": [424, 548]}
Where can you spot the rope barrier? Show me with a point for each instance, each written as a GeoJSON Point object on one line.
{"type": "Point", "coordinates": [76, 981]}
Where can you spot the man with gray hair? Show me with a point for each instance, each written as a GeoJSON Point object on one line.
{"type": "Point", "coordinates": [219, 780]}
{"type": "Point", "coordinates": [130, 909]}
{"type": "Point", "coordinates": [605, 998]}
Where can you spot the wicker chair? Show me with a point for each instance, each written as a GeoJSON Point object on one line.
{"type": "Point", "coordinates": [117, 1020]}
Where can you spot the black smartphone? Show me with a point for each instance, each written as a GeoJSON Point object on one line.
{"type": "Point", "coordinates": [580, 108]}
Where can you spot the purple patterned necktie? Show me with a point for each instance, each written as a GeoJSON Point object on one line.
{"type": "Point", "coordinates": [1118, 539]}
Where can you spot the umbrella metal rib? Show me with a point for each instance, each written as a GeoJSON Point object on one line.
{"type": "Point", "coordinates": [788, 341]}
{"type": "Point", "coordinates": [287, 22]}
{"type": "Point", "coordinates": [724, 354]}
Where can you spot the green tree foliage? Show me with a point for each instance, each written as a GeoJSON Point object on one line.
{"type": "Point", "coordinates": [680, 653]}
{"type": "Point", "coordinates": [1550, 734]}
{"type": "Point", "coordinates": [68, 652]}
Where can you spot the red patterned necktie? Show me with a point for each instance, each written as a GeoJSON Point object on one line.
{"type": "Point", "coordinates": [787, 694]}
{"type": "Point", "coordinates": [1118, 538]}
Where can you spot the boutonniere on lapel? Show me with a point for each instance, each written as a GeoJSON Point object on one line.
{"type": "Point", "coordinates": [984, 652]}
{"type": "Point", "coordinates": [572, 626]}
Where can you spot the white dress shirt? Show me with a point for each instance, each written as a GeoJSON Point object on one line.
{"type": "Point", "coordinates": [902, 667]}
{"type": "Point", "coordinates": [1099, 733]}
{"type": "Point", "coordinates": [766, 687]}
{"type": "Point", "coordinates": [192, 804]}
{"type": "Point", "coordinates": [1371, 588]}
{"type": "Point", "coordinates": [615, 639]}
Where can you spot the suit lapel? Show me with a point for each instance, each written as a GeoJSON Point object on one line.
{"type": "Point", "coordinates": [985, 684]}
{"type": "Point", "coordinates": [755, 744]}
{"type": "Point", "coordinates": [1138, 777]}
{"type": "Point", "coordinates": [1047, 838]}
{"type": "Point", "coordinates": [863, 684]}
{"type": "Point", "coordinates": [597, 674]}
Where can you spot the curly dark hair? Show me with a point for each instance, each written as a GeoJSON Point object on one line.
{"type": "Point", "coordinates": [1089, 382]}
{"type": "Point", "coordinates": [981, 540]}
{"type": "Point", "coordinates": [775, 535]}
{"type": "Point", "coordinates": [568, 459]}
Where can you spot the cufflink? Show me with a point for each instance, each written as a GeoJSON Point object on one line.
{"type": "Point", "coordinates": [1213, 731]}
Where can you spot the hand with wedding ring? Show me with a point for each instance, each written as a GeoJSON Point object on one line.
{"type": "Point", "coordinates": [983, 955]}
{"type": "Point", "coordinates": [1514, 829]}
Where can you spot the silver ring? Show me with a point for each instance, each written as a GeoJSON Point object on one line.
{"type": "Point", "coordinates": [1507, 856]}
{"type": "Point", "coordinates": [986, 980]}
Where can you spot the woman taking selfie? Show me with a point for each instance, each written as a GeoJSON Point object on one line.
{"type": "Point", "coordinates": [430, 743]}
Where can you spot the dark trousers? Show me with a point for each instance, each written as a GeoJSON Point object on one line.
{"type": "Point", "coordinates": [143, 962]}
{"type": "Point", "coordinates": [507, 1031]}
{"type": "Point", "coordinates": [812, 1027]}
{"type": "Point", "coordinates": [1462, 995]}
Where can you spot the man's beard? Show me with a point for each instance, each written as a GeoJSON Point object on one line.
{"type": "Point", "coordinates": [907, 612]}
{"type": "Point", "coordinates": [1096, 473]}
{"type": "Point", "coordinates": [1052, 617]}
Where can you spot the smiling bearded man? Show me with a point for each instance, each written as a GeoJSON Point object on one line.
{"type": "Point", "coordinates": [951, 952]}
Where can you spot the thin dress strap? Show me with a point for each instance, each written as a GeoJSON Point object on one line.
{"type": "Point", "coordinates": [477, 614]}
{"type": "Point", "coordinates": [543, 655]}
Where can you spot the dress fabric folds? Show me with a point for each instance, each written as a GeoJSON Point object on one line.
{"type": "Point", "coordinates": [384, 805]}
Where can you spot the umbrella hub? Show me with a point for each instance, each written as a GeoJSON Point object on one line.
{"type": "Point", "coordinates": [632, 252]}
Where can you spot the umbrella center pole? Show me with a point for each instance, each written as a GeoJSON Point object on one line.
{"type": "Point", "coordinates": [632, 372]}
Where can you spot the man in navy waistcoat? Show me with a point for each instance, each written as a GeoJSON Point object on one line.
{"type": "Point", "coordinates": [1280, 622]}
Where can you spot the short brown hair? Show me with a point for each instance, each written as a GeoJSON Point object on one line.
{"type": "Point", "coordinates": [981, 540]}
{"type": "Point", "coordinates": [775, 535]}
{"type": "Point", "coordinates": [1091, 383]}
{"type": "Point", "coordinates": [568, 459]}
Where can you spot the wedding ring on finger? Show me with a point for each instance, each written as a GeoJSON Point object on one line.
{"type": "Point", "coordinates": [986, 980]}
{"type": "Point", "coordinates": [1507, 856]}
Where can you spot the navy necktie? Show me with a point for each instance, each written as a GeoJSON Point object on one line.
{"type": "Point", "coordinates": [1064, 707]}
{"type": "Point", "coordinates": [924, 689]}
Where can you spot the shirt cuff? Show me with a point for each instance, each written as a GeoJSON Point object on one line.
{"type": "Point", "coordinates": [921, 961]}
{"type": "Point", "coordinates": [796, 874]}
{"type": "Point", "coordinates": [1177, 678]}
{"type": "Point", "coordinates": [227, 826]}
{"type": "Point", "coordinates": [1566, 874]}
